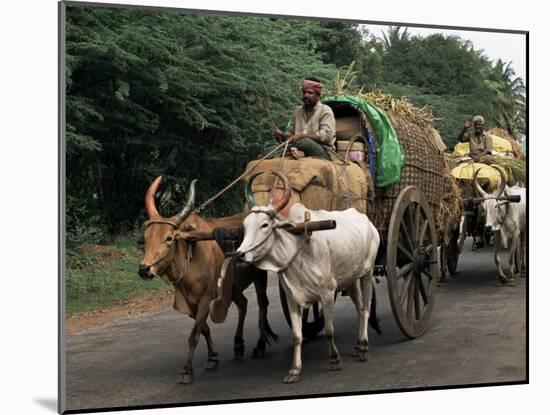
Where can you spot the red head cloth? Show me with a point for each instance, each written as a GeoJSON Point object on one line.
{"type": "Point", "coordinates": [307, 84]}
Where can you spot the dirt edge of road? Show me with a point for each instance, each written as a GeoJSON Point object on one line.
{"type": "Point", "coordinates": [148, 302]}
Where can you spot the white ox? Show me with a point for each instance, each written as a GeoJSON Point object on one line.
{"type": "Point", "coordinates": [333, 260]}
{"type": "Point", "coordinates": [507, 221]}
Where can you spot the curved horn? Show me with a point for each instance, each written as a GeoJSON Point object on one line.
{"type": "Point", "coordinates": [250, 201]}
{"type": "Point", "coordinates": [250, 196]}
{"type": "Point", "coordinates": [502, 182]}
{"type": "Point", "coordinates": [150, 207]}
{"type": "Point", "coordinates": [286, 185]}
{"type": "Point", "coordinates": [477, 187]}
{"type": "Point", "coordinates": [189, 203]}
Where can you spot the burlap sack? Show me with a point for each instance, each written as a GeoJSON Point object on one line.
{"type": "Point", "coordinates": [316, 183]}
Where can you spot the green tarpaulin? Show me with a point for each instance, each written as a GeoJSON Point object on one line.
{"type": "Point", "coordinates": [390, 157]}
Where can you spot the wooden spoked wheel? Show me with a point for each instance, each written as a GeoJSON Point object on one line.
{"type": "Point", "coordinates": [313, 320]}
{"type": "Point", "coordinates": [412, 262]}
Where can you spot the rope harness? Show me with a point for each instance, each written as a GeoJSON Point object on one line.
{"type": "Point", "coordinates": [305, 243]}
{"type": "Point", "coordinates": [188, 253]}
{"type": "Point", "coordinates": [234, 182]}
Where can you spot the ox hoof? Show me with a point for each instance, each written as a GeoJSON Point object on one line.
{"type": "Point", "coordinates": [186, 378]}
{"type": "Point", "coordinates": [509, 283]}
{"type": "Point", "coordinates": [337, 364]}
{"type": "Point", "coordinates": [212, 364]}
{"type": "Point", "coordinates": [291, 378]}
{"type": "Point", "coordinates": [362, 355]}
{"type": "Point", "coordinates": [361, 350]}
{"type": "Point", "coordinates": [258, 353]}
{"type": "Point", "coordinates": [238, 350]}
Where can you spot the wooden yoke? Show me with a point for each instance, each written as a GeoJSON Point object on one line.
{"type": "Point", "coordinates": [315, 226]}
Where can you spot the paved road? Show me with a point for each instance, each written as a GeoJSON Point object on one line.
{"type": "Point", "coordinates": [477, 334]}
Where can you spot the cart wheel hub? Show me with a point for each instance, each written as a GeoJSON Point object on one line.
{"type": "Point", "coordinates": [420, 260]}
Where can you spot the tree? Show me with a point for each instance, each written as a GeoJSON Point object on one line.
{"type": "Point", "coordinates": [167, 93]}
{"type": "Point", "coordinates": [508, 97]}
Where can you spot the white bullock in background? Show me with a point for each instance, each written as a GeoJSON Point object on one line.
{"type": "Point", "coordinates": [333, 260]}
{"type": "Point", "coordinates": [507, 221]}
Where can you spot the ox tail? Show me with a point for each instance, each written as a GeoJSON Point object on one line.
{"type": "Point", "coordinates": [269, 334]}
{"type": "Point", "coordinates": [373, 319]}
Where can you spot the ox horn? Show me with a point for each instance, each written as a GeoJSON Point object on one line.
{"type": "Point", "coordinates": [250, 200]}
{"type": "Point", "coordinates": [477, 187]}
{"type": "Point", "coordinates": [502, 182]}
{"type": "Point", "coordinates": [189, 204]}
{"type": "Point", "coordinates": [250, 196]}
{"type": "Point", "coordinates": [150, 207]}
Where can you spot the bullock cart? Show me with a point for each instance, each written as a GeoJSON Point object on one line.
{"type": "Point", "coordinates": [410, 212]}
{"type": "Point", "coordinates": [508, 159]}
{"type": "Point", "coordinates": [477, 182]}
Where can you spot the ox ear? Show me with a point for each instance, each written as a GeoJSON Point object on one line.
{"type": "Point", "coordinates": [285, 224]}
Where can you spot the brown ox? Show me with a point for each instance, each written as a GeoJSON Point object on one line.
{"type": "Point", "coordinates": [193, 270]}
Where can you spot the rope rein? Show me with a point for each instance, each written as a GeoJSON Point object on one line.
{"type": "Point", "coordinates": [188, 257]}
{"type": "Point", "coordinates": [287, 142]}
{"type": "Point", "coordinates": [234, 182]}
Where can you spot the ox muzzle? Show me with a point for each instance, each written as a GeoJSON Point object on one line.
{"type": "Point", "coordinates": [145, 273]}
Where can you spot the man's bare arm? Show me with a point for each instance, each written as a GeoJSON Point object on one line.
{"type": "Point", "coordinates": [467, 125]}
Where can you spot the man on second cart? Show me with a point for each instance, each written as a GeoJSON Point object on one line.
{"type": "Point", "coordinates": [481, 142]}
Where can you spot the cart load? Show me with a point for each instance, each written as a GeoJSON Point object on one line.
{"type": "Point", "coordinates": [488, 175]}
{"type": "Point", "coordinates": [316, 183]}
{"type": "Point", "coordinates": [418, 146]}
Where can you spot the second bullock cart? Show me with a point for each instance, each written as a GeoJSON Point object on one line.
{"type": "Point", "coordinates": [476, 181]}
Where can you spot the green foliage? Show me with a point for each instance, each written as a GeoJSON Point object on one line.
{"type": "Point", "coordinates": [173, 94]}
{"type": "Point", "coordinates": [453, 79]}
{"type": "Point", "coordinates": [339, 43]}
{"type": "Point", "coordinates": [99, 274]}
{"type": "Point", "coordinates": [443, 64]}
